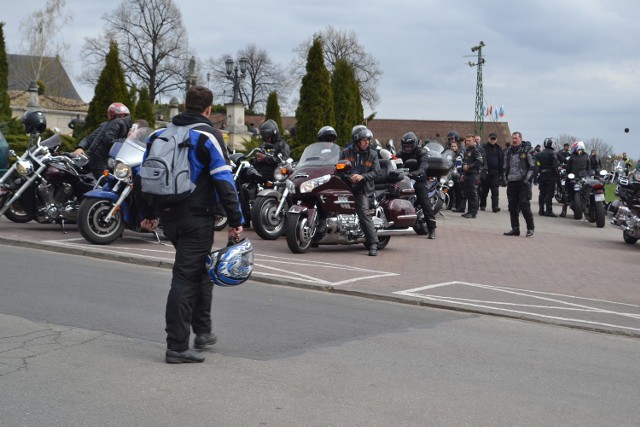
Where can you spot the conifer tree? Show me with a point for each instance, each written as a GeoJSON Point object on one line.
{"type": "Point", "coordinates": [111, 88]}
{"type": "Point", "coordinates": [346, 97]}
{"type": "Point", "coordinates": [315, 108]}
{"type": "Point", "coordinates": [5, 102]}
{"type": "Point", "coordinates": [273, 111]}
{"type": "Point", "coordinates": [144, 108]}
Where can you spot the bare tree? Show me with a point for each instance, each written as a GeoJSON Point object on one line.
{"type": "Point", "coordinates": [153, 44]}
{"type": "Point", "coordinates": [42, 40]}
{"type": "Point", "coordinates": [341, 44]}
{"type": "Point", "coordinates": [262, 77]}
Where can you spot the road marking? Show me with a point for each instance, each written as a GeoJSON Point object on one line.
{"type": "Point", "coordinates": [581, 304]}
{"type": "Point", "coordinates": [269, 265]}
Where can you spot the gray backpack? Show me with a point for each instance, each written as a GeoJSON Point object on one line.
{"type": "Point", "coordinates": [165, 174]}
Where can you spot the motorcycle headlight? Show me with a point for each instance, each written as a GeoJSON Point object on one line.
{"type": "Point", "coordinates": [308, 186]}
{"type": "Point", "coordinates": [122, 171]}
{"type": "Point", "coordinates": [24, 167]}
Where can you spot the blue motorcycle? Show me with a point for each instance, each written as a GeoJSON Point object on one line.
{"type": "Point", "coordinates": [109, 209]}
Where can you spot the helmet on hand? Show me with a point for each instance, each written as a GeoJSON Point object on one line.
{"type": "Point", "coordinates": [231, 265]}
{"type": "Point", "coordinates": [577, 146]}
{"type": "Point", "coordinates": [327, 134]}
{"type": "Point", "coordinates": [549, 143]}
{"type": "Point", "coordinates": [360, 132]}
{"type": "Point", "coordinates": [268, 130]}
{"type": "Point", "coordinates": [117, 110]}
{"type": "Point", "coordinates": [409, 142]}
{"type": "Point", "coordinates": [34, 121]}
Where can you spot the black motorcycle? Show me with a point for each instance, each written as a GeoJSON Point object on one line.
{"type": "Point", "coordinates": [626, 210]}
{"type": "Point", "coordinates": [591, 199]}
{"type": "Point", "coordinates": [44, 185]}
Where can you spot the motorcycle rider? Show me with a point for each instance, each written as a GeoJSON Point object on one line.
{"type": "Point", "coordinates": [628, 164]}
{"type": "Point", "coordinates": [275, 150]}
{"type": "Point", "coordinates": [327, 134]}
{"type": "Point", "coordinates": [495, 162]}
{"type": "Point", "coordinates": [99, 141]}
{"type": "Point", "coordinates": [411, 150]}
{"type": "Point", "coordinates": [579, 165]}
{"type": "Point", "coordinates": [547, 162]}
{"type": "Point", "coordinates": [519, 169]}
{"type": "Point", "coordinates": [472, 165]}
{"type": "Point", "coordinates": [457, 200]}
{"type": "Point", "coordinates": [366, 167]}
{"type": "Point", "coordinates": [564, 154]}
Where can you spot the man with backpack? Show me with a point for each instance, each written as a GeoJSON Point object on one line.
{"type": "Point", "coordinates": [188, 223]}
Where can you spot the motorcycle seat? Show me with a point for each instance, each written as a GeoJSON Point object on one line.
{"type": "Point", "coordinates": [388, 175]}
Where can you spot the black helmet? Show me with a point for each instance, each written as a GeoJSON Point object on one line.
{"type": "Point", "coordinates": [268, 130]}
{"type": "Point", "coordinates": [453, 135]}
{"type": "Point", "coordinates": [34, 121]}
{"type": "Point", "coordinates": [360, 132]}
{"type": "Point", "coordinates": [409, 142]}
{"type": "Point", "coordinates": [549, 143]}
{"type": "Point", "coordinates": [327, 134]}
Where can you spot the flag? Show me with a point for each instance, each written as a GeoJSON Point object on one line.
{"type": "Point", "coordinates": [495, 114]}
{"type": "Point", "coordinates": [501, 111]}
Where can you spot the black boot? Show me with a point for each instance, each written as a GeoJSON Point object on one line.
{"type": "Point", "coordinates": [373, 249]}
{"type": "Point", "coordinates": [564, 211]}
{"type": "Point", "coordinates": [512, 232]}
{"type": "Point", "coordinates": [432, 234]}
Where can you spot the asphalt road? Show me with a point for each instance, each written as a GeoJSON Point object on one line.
{"type": "Point", "coordinates": [81, 343]}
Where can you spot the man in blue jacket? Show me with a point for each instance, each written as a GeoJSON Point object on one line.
{"type": "Point", "coordinates": [189, 227]}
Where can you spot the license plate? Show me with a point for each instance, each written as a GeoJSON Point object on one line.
{"type": "Point", "coordinates": [598, 197]}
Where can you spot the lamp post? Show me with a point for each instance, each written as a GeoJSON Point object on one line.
{"type": "Point", "coordinates": [235, 109]}
{"type": "Point", "coordinates": [232, 74]}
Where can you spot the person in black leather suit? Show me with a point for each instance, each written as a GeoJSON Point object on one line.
{"type": "Point", "coordinates": [411, 150]}
{"type": "Point", "coordinates": [547, 162]}
{"type": "Point", "coordinates": [579, 165]}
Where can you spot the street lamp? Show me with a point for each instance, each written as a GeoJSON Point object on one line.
{"type": "Point", "coordinates": [232, 74]}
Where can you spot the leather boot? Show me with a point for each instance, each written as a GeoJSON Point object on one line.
{"type": "Point", "coordinates": [432, 234]}
{"type": "Point", "coordinates": [373, 250]}
{"type": "Point", "coordinates": [564, 211]}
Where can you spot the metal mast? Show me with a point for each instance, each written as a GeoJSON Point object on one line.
{"type": "Point", "coordinates": [479, 117]}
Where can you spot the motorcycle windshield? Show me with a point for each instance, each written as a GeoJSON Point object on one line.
{"type": "Point", "coordinates": [132, 150]}
{"type": "Point", "coordinates": [435, 146]}
{"type": "Point", "coordinates": [320, 154]}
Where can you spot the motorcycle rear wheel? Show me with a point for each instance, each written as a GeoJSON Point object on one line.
{"type": "Point", "coordinates": [16, 213]}
{"type": "Point", "coordinates": [297, 232]}
{"type": "Point", "coordinates": [220, 222]}
{"type": "Point", "coordinates": [265, 223]}
{"type": "Point", "coordinates": [383, 242]}
{"type": "Point", "coordinates": [600, 214]}
{"type": "Point", "coordinates": [92, 225]}
{"type": "Point", "coordinates": [628, 239]}
{"type": "Point", "coordinates": [577, 206]}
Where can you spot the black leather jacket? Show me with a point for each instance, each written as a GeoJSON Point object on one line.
{"type": "Point", "coordinates": [422, 156]}
{"type": "Point", "coordinates": [365, 163]}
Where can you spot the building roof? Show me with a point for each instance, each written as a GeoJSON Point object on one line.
{"type": "Point", "coordinates": [23, 69]}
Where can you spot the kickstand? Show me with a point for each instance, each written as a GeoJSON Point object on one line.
{"type": "Point", "coordinates": [64, 231]}
{"type": "Point", "coordinates": [157, 236]}
{"type": "Point", "coordinates": [442, 214]}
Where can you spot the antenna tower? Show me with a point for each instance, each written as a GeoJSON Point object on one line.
{"type": "Point", "coordinates": [479, 117]}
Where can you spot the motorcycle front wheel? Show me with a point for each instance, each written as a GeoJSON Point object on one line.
{"type": "Point", "coordinates": [265, 222]}
{"type": "Point", "coordinates": [577, 206]}
{"type": "Point", "coordinates": [16, 213]}
{"type": "Point", "coordinates": [298, 232]}
{"type": "Point", "coordinates": [420, 227]}
{"type": "Point", "coordinates": [629, 239]}
{"type": "Point", "coordinates": [92, 224]}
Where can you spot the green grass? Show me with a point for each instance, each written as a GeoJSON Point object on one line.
{"type": "Point", "coordinates": [610, 192]}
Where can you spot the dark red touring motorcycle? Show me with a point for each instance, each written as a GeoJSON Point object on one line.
{"type": "Point", "coordinates": [324, 211]}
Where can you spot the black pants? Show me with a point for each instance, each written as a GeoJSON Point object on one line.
{"type": "Point", "coordinates": [547, 188]}
{"type": "Point", "coordinates": [422, 194]}
{"type": "Point", "coordinates": [470, 186]}
{"type": "Point", "coordinates": [364, 215]}
{"type": "Point", "coordinates": [518, 195]}
{"type": "Point", "coordinates": [189, 300]}
{"type": "Point", "coordinates": [490, 183]}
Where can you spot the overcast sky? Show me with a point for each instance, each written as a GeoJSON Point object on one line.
{"type": "Point", "coordinates": [558, 66]}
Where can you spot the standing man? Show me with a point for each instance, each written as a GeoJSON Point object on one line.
{"type": "Point", "coordinates": [189, 227]}
{"type": "Point", "coordinates": [472, 164]}
{"type": "Point", "coordinates": [595, 162]}
{"type": "Point", "coordinates": [628, 164]}
{"type": "Point", "coordinates": [366, 167]}
{"type": "Point", "coordinates": [547, 163]}
{"type": "Point", "coordinates": [494, 158]}
{"type": "Point", "coordinates": [411, 150]}
{"type": "Point", "coordinates": [519, 169]}
{"type": "Point", "coordinates": [564, 154]}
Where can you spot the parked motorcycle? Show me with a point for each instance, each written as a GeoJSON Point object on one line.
{"type": "Point", "coordinates": [272, 203]}
{"type": "Point", "coordinates": [561, 195]}
{"type": "Point", "coordinates": [626, 210]}
{"type": "Point", "coordinates": [48, 185]}
{"type": "Point", "coordinates": [110, 208]}
{"type": "Point", "coordinates": [324, 212]}
{"type": "Point", "coordinates": [589, 198]}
